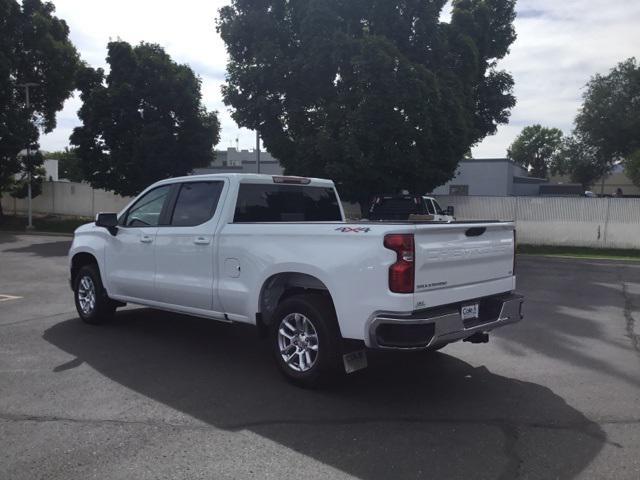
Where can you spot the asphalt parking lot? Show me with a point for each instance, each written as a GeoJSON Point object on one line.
{"type": "Point", "coordinates": [159, 395]}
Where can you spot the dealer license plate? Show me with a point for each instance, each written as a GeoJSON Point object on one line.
{"type": "Point", "coordinates": [468, 312]}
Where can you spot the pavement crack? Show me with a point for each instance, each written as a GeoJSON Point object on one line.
{"type": "Point", "coordinates": [514, 463]}
{"type": "Point", "coordinates": [508, 425]}
{"type": "Point", "coordinates": [628, 309]}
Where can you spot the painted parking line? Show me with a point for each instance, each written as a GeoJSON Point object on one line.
{"type": "Point", "coordinates": [5, 298]}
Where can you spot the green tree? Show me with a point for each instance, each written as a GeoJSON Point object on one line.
{"type": "Point", "coordinates": [534, 148]}
{"type": "Point", "coordinates": [632, 167]}
{"type": "Point", "coordinates": [610, 114]}
{"type": "Point", "coordinates": [379, 95]}
{"type": "Point", "coordinates": [34, 48]}
{"type": "Point", "coordinates": [69, 166]}
{"type": "Point", "coordinates": [145, 123]}
{"type": "Point", "coordinates": [34, 165]}
{"type": "Point", "coordinates": [583, 162]}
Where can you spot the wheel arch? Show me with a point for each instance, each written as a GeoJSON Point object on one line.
{"type": "Point", "coordinates": [282, 285]}
{"type": "Point", "coordinates": [81, 259]}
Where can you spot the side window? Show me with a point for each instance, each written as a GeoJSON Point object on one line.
{"type": "Point", "coordinates": [429, 206]}
{"type": "Point", "coordinates": [146, 211]}
{"type": "Point", "coordinates": [196, 203]}
{"type": "Point", "coordinates": [438, 208]}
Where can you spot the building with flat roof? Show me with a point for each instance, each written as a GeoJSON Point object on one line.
{"type": "Point", "coordinates": [233, 160]}
{"type": "Point", "coordinates": [491, 176]}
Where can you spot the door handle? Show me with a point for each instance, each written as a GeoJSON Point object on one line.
{"type": "Point", "coordinates": [146, 239]}
{"type": "Point", "coordinates": [202, 241]}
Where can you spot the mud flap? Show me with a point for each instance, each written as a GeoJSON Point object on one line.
{"type": "Point", "coordinates": [354, 361]}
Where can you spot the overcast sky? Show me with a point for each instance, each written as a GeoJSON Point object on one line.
{"type": "Point", "coordinates": [560, 44]}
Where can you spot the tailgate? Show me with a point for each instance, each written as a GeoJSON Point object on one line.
{"type": "Point", "coordinates": [462, 254]}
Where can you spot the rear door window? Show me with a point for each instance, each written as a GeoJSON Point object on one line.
{"type": "Point", "coordinates": [286, 203]}
{"type": "Point", "coordinates": [196, 203]}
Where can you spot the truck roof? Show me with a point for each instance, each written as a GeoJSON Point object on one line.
{"type": "Point", "coordinates": [246, 178]}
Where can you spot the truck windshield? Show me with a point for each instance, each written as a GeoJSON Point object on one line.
{"type": "Point", "coordinates": [439, 210]}
{"type": "Point", "coordinates": [286, 203]}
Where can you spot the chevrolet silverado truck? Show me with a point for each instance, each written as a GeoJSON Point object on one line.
{"type": "Point", "coordinates": [275, 252]}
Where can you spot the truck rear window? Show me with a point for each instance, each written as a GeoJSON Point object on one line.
{"type": "Point", "coordinates": [286, 203]}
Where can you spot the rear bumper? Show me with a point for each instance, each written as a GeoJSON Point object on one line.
{"type": "Point", "coordinates": [435, 326]}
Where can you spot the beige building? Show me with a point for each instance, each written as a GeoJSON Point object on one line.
{"type": "Point", "coordinates": [616, 180]}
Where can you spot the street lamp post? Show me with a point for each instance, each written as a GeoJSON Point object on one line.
{"type": "Point", "coordinates": [258, 150]}
{"type": "Point", "coordinates": [26, 86]}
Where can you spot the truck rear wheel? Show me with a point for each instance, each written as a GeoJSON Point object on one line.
{"type": "Point", "coordinates": [92, 303]}
{"type": "Point", "coordinates": [305, 339]}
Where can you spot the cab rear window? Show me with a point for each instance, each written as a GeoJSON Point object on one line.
{"type": "Point", "coordinates": [286, 203]}
{"type": "Point", "coordinates": [396, 208]}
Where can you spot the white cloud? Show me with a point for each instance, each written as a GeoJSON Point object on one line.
{"type": "Point", "coordinates": [185, 29]}
{"type": "Point", "coordinates": [560, 45]}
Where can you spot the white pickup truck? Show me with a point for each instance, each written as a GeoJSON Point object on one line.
{"type": "Point", "coordinates": [275, 251]}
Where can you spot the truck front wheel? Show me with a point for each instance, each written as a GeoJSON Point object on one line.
{"type": "Point", "coordinates": [92, 303]}
{"type": "Point", "coordinates": [305, 339]}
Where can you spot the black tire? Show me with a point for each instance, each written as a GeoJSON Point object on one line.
{"type": "Point", "coordinates": [325, 365]}
{"type": "Point", "coordinates": [102, 308]}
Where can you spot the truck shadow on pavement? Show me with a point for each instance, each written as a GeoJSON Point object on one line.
{"type": "Point", "coordinates": [406, 416]}
{"type": "Point", "coordinates": [45, 249]}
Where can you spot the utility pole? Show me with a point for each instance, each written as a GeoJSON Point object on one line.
{"type": "Point", "coordinates": [26, 86]}
{"type": "Point", "coordinates": [258, 150]}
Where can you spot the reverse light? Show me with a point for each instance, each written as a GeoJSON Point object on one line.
{"type": "Point", "coordinates": [402, 272]}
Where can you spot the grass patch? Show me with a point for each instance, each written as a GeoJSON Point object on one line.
{"type": "Point", "coordinates": [49, 223]}
{"type": "Point", "coordinates": [581, 252]}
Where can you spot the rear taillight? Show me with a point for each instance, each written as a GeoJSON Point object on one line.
{"type": "Point", "coordinates": [401, 273]}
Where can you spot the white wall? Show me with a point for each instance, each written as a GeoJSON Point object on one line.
{"type": "Point", "coordinates": [67, 198]}
{"type": "Point", "coordinates": [51, 167]}
{"type": "Point", "coordinates": [580, 221]}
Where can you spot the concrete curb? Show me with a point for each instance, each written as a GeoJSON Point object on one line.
{"type": "Point", "coordinates": [575, 257]}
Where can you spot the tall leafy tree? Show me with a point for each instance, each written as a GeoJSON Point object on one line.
{"type": "Point", "coordinates": [34, 48]}
{"type": "Point", "coordinates": [34, 165]}
{"type": "Point", "coordinates": [142, 122]}
{"type": "Point", "coordinates": [380, 95]}
{"type": "Point", "coordinates": [583, 162]}
{"type": "Point", "coordinates": [535, 147]}
{"type": "Point", "coordinates": [607, 127]}
{"type": "Point", "coordinates": [632, 167]}
{"type": "Point", "coordinates": [610, 115]}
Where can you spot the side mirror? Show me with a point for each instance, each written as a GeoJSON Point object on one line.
{"type": "Point", "coordinates": [449, 211]}
{"type": "Point", "coordinates": [108, 221]}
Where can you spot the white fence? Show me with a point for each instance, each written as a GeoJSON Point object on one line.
{"type": "Point", "coordinates": [67, 198]}
{"type": "Point", "coordinates": [585, 222]}
{"type": "Point", "coordinates": [581, 221]}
